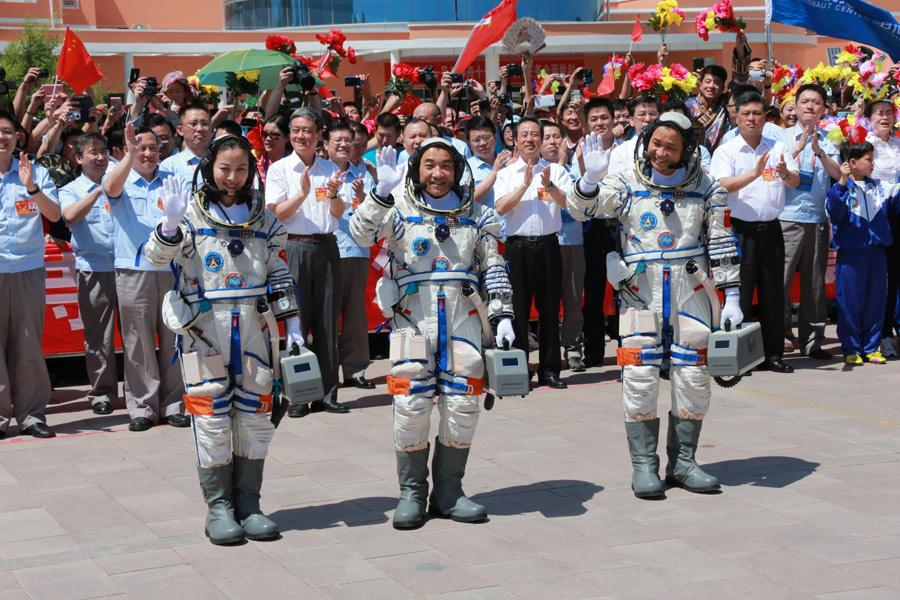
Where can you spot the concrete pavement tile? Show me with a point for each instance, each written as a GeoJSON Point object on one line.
{"type": "Point", "coordinates": [376, 542]}
{"type": "Point", "coordinates": [293, 491]}
{"type": "Point", "coordinates": [770, 559]}
{"type": "Point", "coordinates": [819, 580]}
{"type": "Point", "coordinates": [19, 595]}
{"type": "Point", "coordinates": [328, 565]}
{"type": "Point", "coordinates": [219, 562]}
{"type": "Point", "coordinates": [294, 539]}
{"type": "Point", "coordinates": [109, 536]}
{"type": "Point", "coordinates": [176, 527]}
{"type": "Point", "coordinates": [573, 553]}
{"type": "Point", "coordinates": [173, 583]}
{"type": "Point", "coordinates": [76, 580]}
{"type": "Point", "coordinates": [882, 572]}
{"type": "Point", "coordinates": [131, 482]}
{"type": "Point", "coordinates": [325, 516]}
{"type": "Point", "coordinates": [875, 593]}
{"type": "Point", "coordinates": [828, 547]}
{"type": "Point", "coordinates": [86, 509]}
{"type": "Point", "coordinates": [429, 572]}
{"type": "Point", "coordinates": [8, 582]}
{"type": "Point", "coordinates": [488, 593]}
{"type": "Point", "coordinates": [330, 472]}
{"type": "Point", "coordinates": [713, 537]}
{"type": "Point", "coordinates": [27, 524]}
{"type": "Point", "coordinates": [378, 589]}
{"type": "Point", "coordinates": [161, 505]}
{"type": "Point", "coordinates": [266, 586]}
{"type": "Point", "coordinates": [473, 545]}
{"type": "Point", "coordinates": [672, 555]}
{"type": "Point", "coordinates": [841, 520]}
{"type": "Point", "coordinates": [139, 561]}
{"type": "Point", "coordinates": [537, 578]}
{"type": "Point", "coordinates": [38, 546]}
{"type": "Point", "coordinates": [14, 497]}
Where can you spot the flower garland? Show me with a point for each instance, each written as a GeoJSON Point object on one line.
{"type": "Point", "coordinates": [617, 63]}
{"type": "Point", "coordinates": [826, 75]}
{"type": "Point", "coordinates": [666, 15]}
{"type": "Point", "coordinates": [666, 83]}
{"type": "Point", "coordinates": [852, 129]}
{"type": "Point", "coordinates": [872, 81]}
{"type": "Point", "coordinates": [784, 77]}
{"type": "Point", "coordinates": [719, 18]}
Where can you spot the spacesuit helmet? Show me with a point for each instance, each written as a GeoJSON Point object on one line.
{"type": "Point", "coordinates": [463, 182]}
{"type": "Point", "coordinates": [206, 190]}
{"type": "Point", "coordinates": [681, 124]}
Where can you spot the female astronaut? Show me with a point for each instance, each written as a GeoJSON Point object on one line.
{"type": "Point", "coordinates": [446, 279]}
{"type": "Point", "coordinates": [232, 284]}
{"type": "Point", "coordinates": [675, 231]}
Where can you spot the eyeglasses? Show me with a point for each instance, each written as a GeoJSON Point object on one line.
{"type": "Point", "coordinates": [271, 134]}
{"type": "Point", "coordinates": [198, 125]}
{"type": "Point", "coordinates": [481, 140]}
{"type": "Point", "coordinates": [341, 141]}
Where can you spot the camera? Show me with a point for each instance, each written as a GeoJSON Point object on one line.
{"type": "Point", "coordinates": [456, 77]}
{"type": "Point", "coordinates": [587, 75]}
{"type": "Point", "coordinates": [514, 70]}
{"type": "Point", "coordinates": [484, 105]}
{"type": "Point", "coordinates": [757, 76]}
{"type": "Point", "coordinates": [42, 73]}
{"type": "Point", "coordinates": [352, 81]}
{"type": "Point", "coordinates": [5, 86]}
{"type": "Point", "coordinates": [151, 86]}
{"type": "Point", "coordinates": [302, 76]}
{"type": "Point", "coordinates": [504, 98]}
{"type": "Point", "coordinates": [428, 77]}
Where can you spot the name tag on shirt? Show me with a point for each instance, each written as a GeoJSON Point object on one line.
{"type": "Point", "coordinates": [160, 204]}
{"type": "Point", "coordinates": [770, 175]}
{"type": "Point", "coordinates": [806, 181]}
{"type": "Point", "coordinates": [543, 194]}
{"type": "Point", "coordinates": [321, 194]}
{"type": "Point", "coordinates": [106, 204]}
{"type": "Point", "coordinates": [26, 207]}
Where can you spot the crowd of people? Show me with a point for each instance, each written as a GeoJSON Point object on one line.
{"type": "Point", "coordinates": [202, 228]}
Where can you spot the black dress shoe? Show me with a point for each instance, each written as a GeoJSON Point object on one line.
{"type": "Point", "coordinates": [360, 382]}
{"type": "Point", "coordinates": [2, 435]}
{"type": "Point", "coordinates": [177, 420]}
{"type": "Point", "coordinates": [104, 407]}
{"type": "Point", "coordinates": [331, 406]}
{"type": "Point", "coordinates": [777, 366]}
{"type": "Point", "coordinates": [552, 380]}
{"type": "Point", "coordinates": [820, 354]}
{"type": "Point", "coordinates": [39, 430]}
{"type": "Point", "coordinates": [592, 361]}
{"type": "Point", "coordinates": [140, 424]}
{"type": "Point", "coordinates": [296, 411]}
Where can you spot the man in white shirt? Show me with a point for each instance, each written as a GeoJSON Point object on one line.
{"type": "Point", "coordinates": [755, 170]}
{"type": "Point", "coordinates": [530, 192]}
{"type": "Point", "coordinates": [195, 126]}
{"type": "Point", "coordinates": [303, 191]}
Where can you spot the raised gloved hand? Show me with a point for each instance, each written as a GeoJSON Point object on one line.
{"type": "Point", "coordinates": [616, 270]}
{"type": "Point", "coordinates": [387, 171]}
{"type": "Point", "coordinates": [387, 295]}
{"type": "Point", "coordinates": [596, 159]}
{"type": "Point", "coordinates": [175, 203]}
{"type": "Point", "coordinates": [292, 332]}
{"type": "Point", "coordinates": [505, 332]}
{"type": "Point", "coordinates": [732, 309]}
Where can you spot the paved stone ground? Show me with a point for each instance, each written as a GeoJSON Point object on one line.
{"type": "Point", "coordinates": [810, 505]}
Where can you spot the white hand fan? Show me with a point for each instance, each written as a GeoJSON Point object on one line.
{"type": "Point", "coordinates": [525, 36]}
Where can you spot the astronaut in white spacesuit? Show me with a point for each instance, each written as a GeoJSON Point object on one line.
{"type": "Point", "coordinates": [232, 283]}
{"type": "Point", "coordinates": [445, 279]}
{"type": "Point", "coordinates": [678, 250]}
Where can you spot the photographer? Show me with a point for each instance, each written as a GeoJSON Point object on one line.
{"type": "Point", "coordinates": [29, 82]}
{"type": "Point", "coordinates": [289, 76]}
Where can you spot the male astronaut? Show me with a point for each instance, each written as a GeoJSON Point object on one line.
{"type": "Point", "coordinates": [677, 244]}
{"type": "Point", "coordinates": [445, 278]}
{"type": "Point", "coordinates": [233, 284]}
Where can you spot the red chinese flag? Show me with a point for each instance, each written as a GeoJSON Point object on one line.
{"type": "Point", "coordinates": [636, 34]}
{"type": "Point", "coordinates": [487, 31]}
{"type": "Point", "coordinates": [75, 66]}
{"type": "Point", "coordinates": [608, 84]}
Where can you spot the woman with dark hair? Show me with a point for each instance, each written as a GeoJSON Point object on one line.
{"type": "Point", "coordinates": [232, 286]}
{"type": "Point", "coordinates": [507, 136]}
{"type": "Point", "coordinates": [276, 143]}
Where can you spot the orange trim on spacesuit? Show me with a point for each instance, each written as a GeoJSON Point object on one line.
{"type": "Point", "coordinates": [398, 386]}
{"type": "Point", "coordinates": [629, 356]}
{"type": "Point", "coordinates": [198, 405]}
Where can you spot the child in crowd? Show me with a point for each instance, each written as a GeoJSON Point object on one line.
{"type": "Point", "coordinates": [858, 207]}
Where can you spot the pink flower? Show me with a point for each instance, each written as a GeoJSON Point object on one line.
{"type": "Point", "coordinates": [701, 27]}
{"type": "Point", "coordinates": [634, 70]}
{"type": "Point", "coordinates": [654, 72]}
{"type": "Point", "coordinates": [678, 71]}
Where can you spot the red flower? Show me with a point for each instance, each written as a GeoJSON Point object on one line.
{"type": "Point", "coordinates": [337, 37]}
{"type": "Point", "coordinates": [404, 71]}
{"type": "Point", "coordinates": [281, 44]}
{"type": "Point", "coordinates": [851, 49]}
{"type": "Point", "coordinates": [351, 55]}
{"type": "Point", "coordinates": [634, 70]}
{"type": "Point", "coordinates": [324, 39]}
{"type": "Point", "coordinates": [340, 51]}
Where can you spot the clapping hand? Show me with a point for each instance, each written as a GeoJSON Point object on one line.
{"type": "Point", "coordinates": [596, 159]}
{"type": "Point", "coordinates": [334, 183]}
{"type": "Point", "coordinates": [782, 169]}
{"type": "Point", "coordinates": [761, 163]}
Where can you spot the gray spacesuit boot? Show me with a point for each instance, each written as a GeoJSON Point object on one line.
{"type": "Point", "coordinates": [683, 470]}
{"type": "Point", "coordinates": [221, 527]}
{"type": "Point", "coordinates": [643, 437]}
{"type": "Point", "coordinates": [412, 473]}
{"type": "Point", "coordinates": [447, 498]}
{"type": "Point", "coordinates": [248, 477]}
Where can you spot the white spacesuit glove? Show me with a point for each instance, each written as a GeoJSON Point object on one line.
{"type": "Point", "coordinates": [732, 309]}
{"type": "Point", "coordinates": [292, 331]}
{"type": "Point", "coordinates": [175, 203]}
{"type": "Point", "coordinates": [596, 159]}
{"type": "Point", "coordinates": [387, 295]}
{"type": "Point", "coordinates": [387, 171]}
{"type": "Point", "coordinates": [505, 332]}
{"type": "Point", "coordinates": [616, 270]}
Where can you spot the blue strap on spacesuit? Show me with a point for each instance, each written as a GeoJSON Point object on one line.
{"type": "Point", "coordinates": [442, 332]}
{"type": "Point", "coordinates": [675, 195]}
{"type": "Point", "coordinates": [667, 309]}
{"type": "Point", "coordinates": [233, 233]}
{"type": "Point", "coordinates": [237, 363]}
{"type": "Point", "coordinates": [441, 220]}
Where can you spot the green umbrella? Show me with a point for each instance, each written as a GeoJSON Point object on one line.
{"type": "Point", "coordinates": [268, 62]}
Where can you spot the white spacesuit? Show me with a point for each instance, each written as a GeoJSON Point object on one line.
{"type": "Point", "coordinates": [442, 249]}
{"type": "Point", "coordinates": [675, 231]}
{"type": "Point", "coordinates": [229, 275]}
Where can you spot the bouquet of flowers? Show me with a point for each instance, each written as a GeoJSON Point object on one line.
{"type": "Point", "coordinates": [245, 82]}
{"type": "Point", "coordinates": [282, 44]}
{"type": "Point", "coordinates": [872, 80]}
{"type": "Point", "coordinates": [335, 53]}
{"type": "Point", "coordinates": [616, 63]}
{"type": "Point", "coordinates": [719, 18]}
{"type": "Point", "coordinates": [826, 75]}
{"type": "Point", "coordinates": [403, 77]}
{"type": "Point", "coordinates": [852, 129]}
{"type": "Point", "coordinates": [666, 83]}
{"type": "Point", "coordinates": [784, 77]}
{"type": "Point", "coordinates": [206, 94]}
{"type": "Point", "coordinates": [850, 55]}
{"type": "Point", "coordinates": [667, 14]}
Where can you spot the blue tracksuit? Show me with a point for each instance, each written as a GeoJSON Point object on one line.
{"type": "Point", "coordinates": [859, 220]}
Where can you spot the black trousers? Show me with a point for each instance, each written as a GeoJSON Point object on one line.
{"type": "Point", "coordinates": [762, 270]}
{"type": "Point", "coordinates": [893, 281]}
{"type": "Point", "coordinates": [599, 240]}
{"type": "Point", "coordinates": [535, 271]}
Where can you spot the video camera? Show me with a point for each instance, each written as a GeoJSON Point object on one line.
{"type": "Point", "coordinates": [302, 76]}
{"type": "Point", "coordinates": [427, 77]}
{"type": "Point", "coordinates": [6, 85]}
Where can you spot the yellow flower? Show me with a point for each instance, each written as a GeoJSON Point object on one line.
{"type": "Point", "coordinates": [688, 83]}
{"type": "Point", "coordinates": [210, 89]}
{"type": "Point", "coordinates": [250, 76]}
{"type": "Point", "coordinates": [667, 6]}
{"type": "Point", "coordinates": [846, 57]}
{"type": "Point", "coordinates": [711, 20]}
{"type": "Point", "coordinates": [673, 18]}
